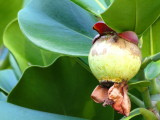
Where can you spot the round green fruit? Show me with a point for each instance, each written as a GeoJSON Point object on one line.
{"type": "Point", "coordinates": [115, 59]}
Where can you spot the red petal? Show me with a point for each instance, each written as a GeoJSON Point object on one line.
{"type": "Point", "coordinates": [102, 28]}
{"type": "Point", "coordinates": [129, 36]}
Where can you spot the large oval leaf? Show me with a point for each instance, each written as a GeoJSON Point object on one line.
{"type": "Point", "coordinates": [25, 52]}
{"type": "Point", "coordinates": [12, 112]}
{"type": "Point", "coordinates": [3, 97]}
{"type": "Point", "coordinates": [7, 80]}
{"type": "Point", "coordinates": [147, 115]}
{"type": "Point", "coordinates": [134, 15]}
{"type": "Point", "coordinates": [62, 88]}
{"type": "Point", "coordinates": [9, 11]}
{"type": "Point", "coordinates": [152, 70]}
{"type": "Point", "coordinates": [59, 26]}
{"type": "Point", "coordinates": [94, 6]}
{"type": "Point", "coordinates": [151, 40]}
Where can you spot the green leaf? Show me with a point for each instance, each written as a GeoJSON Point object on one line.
{"type": "Point", "coordinates": [151, 40]}
{"type": "Point", "coordinates": [4, 58]}
{"type": "Point", "coordinates": [59, 26]}
{"type": "Point", "coordinates": [7, 80]}
{"type": "Point", "coordinates": [139, 85]}
{"type": "Point", "coordinates": [9, 11]}
{"type": "Point", "coordinates": [15, 66]}
{"type": "Point", "coordinates": [136, 100]}
{"type": "Point", "coordinates": [158, 105]}
{"type": "Point", "coordinates": [3, 97]}
{"type": "Point", "coordinates": [94, 6]}
{"type": "Point", "coordinates": [25, 52]}
{"type": "Point", "coordinates": [12, 112]}
{"type": "Point", "coordinates": [26, 2]}
{"type": "Point", "coordinates": [63, 88]}
{"type": "Point", "coordinates": [154, 87]}
{"type": "Point", "coordinates": [149, 59]}
{"type": "Point", "coordinates": [155, 97]}
{"type": "Point", "coordinates": [133, 15]}
{"type": "Point", "coordinates": [152, 70]}
{"type": "Point", "coordinates": [148, 115]}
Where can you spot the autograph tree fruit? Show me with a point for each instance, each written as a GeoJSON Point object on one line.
{"type": "Point", "coordinates": [114, 59]}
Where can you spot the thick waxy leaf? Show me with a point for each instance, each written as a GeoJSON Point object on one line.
{"type": "Point", "coordinates": [154, 87]}
{"type": "Point", "coordinates": [152, 70]}
{"type": "Point", "coordinates": [4, 58]}
{"type": "Point", "coordinates": [25, 52]}
{"type": "Point", "coordinates": [158, 105]}
{"type": "Point", "coordinates": [7, 80]}
{"type": "Point", "coordinates": [26, 2]}
{"type": "Point", "coordinates": [147, 115]}
{"type": "Point", "coordinates": [139, 84]}
{"type": "Point", "coordinates": [64, 88]}
{"type": "Point", "coordinates": [149, 59]}
{"type": "Point", "coordinates": [15, 66]}
{"type": "Point", "coordinates": [3, 97]}
{"type": "Point", "coordinates": [94, 6]}
{"type": "Point", "coordinates": [12, 112]}
{"type": "Point", "coordinates": [59, 26]}
{"type": "Point", "coordinates": [151, 40]}
{"type": "Point", "coordinates": [155, 97]}
{"type": "Point", "coordinates": [8, 11]}
{"type": "Point", "coordinates": [133, 15]}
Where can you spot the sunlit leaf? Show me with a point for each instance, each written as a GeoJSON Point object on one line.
{"type": "Point", "coordinates": [134, 15]}
{"type": "Point", "coordinates": [151, 40]}
{"type": "Point", "coordinates": [25, 52]}
{"type": "Point", "coordinates": [8, 11]}
{"type": "Point", "coordinates": [59, 26]}
{"type": "Point", "coordinates": [94, 6]}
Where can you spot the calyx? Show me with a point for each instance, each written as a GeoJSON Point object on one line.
{"type": "Point", "coordinates": [103, 29]}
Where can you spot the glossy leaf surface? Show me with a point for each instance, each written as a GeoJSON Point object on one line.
{"type": "Point", "coordinates": [63, 88]}
{"type": "Point", "coordinates": [152, 70]}
{"type": "Point", "coordinates": [132, 15]}
{"type": "Point", "coordinates": [148, 115]}
{"type": "Point", "coordinates": [151, 40]}
{"type": "Point", "coordinates": [8, 11]}
{"type": "Point", "coordinates": [7, 80]}
{"type": "Point", "coordinates": [25, 52]}
{"type": "Point", "coordinates": [13, 112]}
{"type": "Point", "coordinates": [94, 6]}
{"type": "Point", "coordinates": [59, 26]}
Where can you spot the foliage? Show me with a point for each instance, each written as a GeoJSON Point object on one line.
{"type": "Point", "coordinates": [47, 76]}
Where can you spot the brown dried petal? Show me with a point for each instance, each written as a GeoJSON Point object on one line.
{"type": "Point", "coordinates": [99, 94]}
{"type": "Point", "coordinates": [115, 94]}
{"type": "Point", "coordinates": [126, 104]}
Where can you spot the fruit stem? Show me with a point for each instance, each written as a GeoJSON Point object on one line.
{"type": "Point", "coordinates": [137, 101]}
{"type": "Point", "coordinates": [146, 98]}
